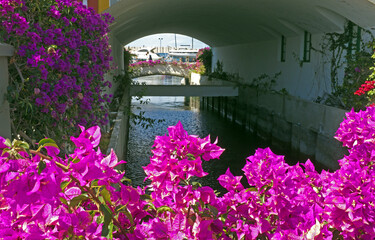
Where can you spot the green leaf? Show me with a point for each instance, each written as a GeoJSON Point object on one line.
{"type": "Point", "coordinates": [64, 184]}
{"type": "Point", "coordinates": [47, 145]}
{"type": "Point", "coordinates": [129, 216]}
{"type": "Point", "coordinates": [8, 143]}
{"type": "Point", "coordinates": [63, 200]}
{"type": "Point", "coordinates": [251, 189]}
{"type": "Point", "coordinates": [190, 156]}
{"type": "Point", "coordinates": [127, 180]}
{"type": "Point", "coordinates": [110, 230]}
{"type": "Point", "coordinates": [164, 209]}
{"type": "Point", "coordinates": [119, 208]}
{"type": "Point", "coordinates": [106, 195]}
{"type": "Point", "coordinates": [224, 217]}
{"type": "Point", "coordinates": [94, 183]}
{"type": "Point", "coordinates": [262, 198]}
{"type": "Point", "coordinates": [5, 151]}
{"type": "Point", "coordinates": [146, 197]}
{"type": "Point", "coordinates": [77, 200]}
{"type": "Point", "coordinates": [149, 206]}
{"type": "Point", "coordinates": [105, 231]}
{"type": "Point", "coordinates": [213, 210]}
{"type": "Point", "coordinates": [24, 145]}
{"type": "Point", "coordinates": [107, 219]}
{"type": "Point", "coordinates": [20, 144]}
{"type": "Point", "coordinates": [41, 166]}
{"type": "Point", "coordinates": [76, 160]}
{"type": "Point", "coordinates": [265, 187]}
{"type": "Point", "coordinates": [196, 184]}
{"type": "Point", "coordinates": [99, 219]}
{"type": "Point", "coordinates": [46, 140]}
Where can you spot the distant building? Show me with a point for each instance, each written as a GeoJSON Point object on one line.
{"type": "Point", "coordinates": [97, 5]}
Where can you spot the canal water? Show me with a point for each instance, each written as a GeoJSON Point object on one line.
{"type": "Point", "coordinates": [238, 144]}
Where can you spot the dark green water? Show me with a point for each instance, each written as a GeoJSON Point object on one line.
{"type": "Point", "coordinates": [238, 143]}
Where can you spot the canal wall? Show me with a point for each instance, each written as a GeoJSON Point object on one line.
{"type": "Point", "coordinates": [120, 132]}
{"type": "Point", "coordinates": [286, 123]}
{"type": "Point", "coordinates": [5, 52]}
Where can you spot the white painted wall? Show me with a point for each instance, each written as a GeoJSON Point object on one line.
{"type": "Point", "coordinates": [118, 61]}
{"type": "Point", "coordinates": [308, 81]}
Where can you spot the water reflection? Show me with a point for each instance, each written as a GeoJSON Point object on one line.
{"type": "Point", "coordinates": [233, 138]}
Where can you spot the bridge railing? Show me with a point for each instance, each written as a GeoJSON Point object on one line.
{"type": "Point", "coordinates": [158, 67]}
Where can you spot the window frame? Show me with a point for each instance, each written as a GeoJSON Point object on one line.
{"type": "Point", "coordinates": [283, 49]}
{"type": "Point", "coordinates": [306, 47]}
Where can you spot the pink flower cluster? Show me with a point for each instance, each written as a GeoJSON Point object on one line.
{"type": "Point", "coordinates": [202, 50]}
{"type": "Point", "coordinates": [44, 196]}
{"type": "Point", "coordinates": [148, 63]}
{"type": "Point", "coordinates": [64, 49]}
{"type": "Point", "coordinates": [367, 86]}
{"type": "Point", "coordinates": [151, 63]}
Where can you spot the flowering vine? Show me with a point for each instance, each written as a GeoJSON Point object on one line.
{"type": "Point", "coordinates": [85, 196]}
{"type": "Point", "coordinates": [192, 67]}
{"type": "Point", "coordinates": [57, 72]}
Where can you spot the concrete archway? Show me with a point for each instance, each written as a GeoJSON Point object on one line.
{"type": "Point", "coordinates": [231, 22]}
{"type": "Point", "coordinates": [250, 37]}
{"type": "Point", "coordinates": [246, 35]}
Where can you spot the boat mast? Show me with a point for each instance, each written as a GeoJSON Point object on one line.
{"type": "Point", "coordinates": [175, 40]}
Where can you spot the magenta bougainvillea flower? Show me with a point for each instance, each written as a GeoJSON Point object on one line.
{"type": "Point", "coordinates": [62, 53]}
{"type": "Point", "coordinates": [83, 195]}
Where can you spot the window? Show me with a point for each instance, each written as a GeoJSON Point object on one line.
{"type": "Point", "coordinates": [307, 47]}
{"type": "Point", "coordinates": [283, 49]}
{"type": "Point", "coordinates": [84, 2]}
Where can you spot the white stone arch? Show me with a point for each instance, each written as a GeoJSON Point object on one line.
{"type": "Point", "coordinates": [244, 34]}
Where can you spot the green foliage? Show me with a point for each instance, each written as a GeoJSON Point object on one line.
{"type": "Point", "coordinates": [219, 73]}
{"type": "Point", "coordinates": [265, 82]}
{"type": "Point", "coordinates": [357, 72]}
{"type": "Point", "coordinates": [347, 50]}
{"type": "Point", "coordinates": [127, 58]}
{"type": "Point", "coordinates": [56, 76]}
{"type": "Point", "coordinates": [205, 56]}
{"type": "Point", "coordinates": [122, 81]}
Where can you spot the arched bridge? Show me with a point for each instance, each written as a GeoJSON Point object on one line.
{"type": "Point", "coordinates": [146, 68]}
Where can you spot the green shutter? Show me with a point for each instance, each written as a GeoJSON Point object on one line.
{"type": "Point", "coordinates": [283, 49]}
{"type": "Point", "coordinates": [307, 47]}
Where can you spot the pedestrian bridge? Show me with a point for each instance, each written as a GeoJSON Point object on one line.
{"type": "Point", "coordinates": [147, 68]}
{"type": "Point", "coordinates": [184, 90]}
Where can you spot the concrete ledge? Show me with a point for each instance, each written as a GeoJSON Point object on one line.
{"type": "Point", "coordinates": [6, 50]}
{"type": "Point", "coordinates": [119, 137]}
{"type": "Point", "coordinates": [198, 79]}
{"type": "Point", "coordinates": [183, 90]}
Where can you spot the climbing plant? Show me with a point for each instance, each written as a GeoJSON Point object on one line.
{"type": "Point", "coordinates": [57, 71]}
{"type": "Point", "coordinates": [204, 56]}
{"type": "Point", "coordinates": [349, 50]}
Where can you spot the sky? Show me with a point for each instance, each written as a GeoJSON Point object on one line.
{"type": "Point", "coordinates": [168, 39]}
